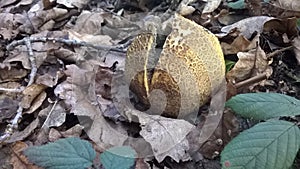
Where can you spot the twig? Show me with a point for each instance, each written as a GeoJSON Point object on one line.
{"type": "Point", "coordinates": [270, 55]}
{"type": "Point", "coordinates": [251, 80]}
{"type": "Point", "coordinates": [12, 126]}
{"type": "Point", "coordinates": [27, 42]}
{"type": "Point", "coordinates": [17, 90]}
{"type": "Point", "coordinates": [32, 61]}
{"type": "Point", "coordinates": [48, 116]}
{"type": "Point", "coordinates": [116, 48]}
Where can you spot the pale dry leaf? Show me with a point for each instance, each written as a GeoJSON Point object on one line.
{"type": "Point", "coordinates": [186, 10]}
{"type": "Point", "coordinates": [242, 69]}
{"type": "Point", "coordinates": [30, 93]}
{"type": "Point", "coordinates": [211, 5]}
{"type": "Point", "coordinates": [88, 23]}
{"type": "Point", "coordinates": [34, 20]}
{"type": "Point", "coordinates": [21, 135]}
{"type": "Point", "coordinates": [36, 7]}
{"type": "Point", "coordinates": [105, 134]}
{"type": "Point", "coordinates": [44, 112]}
{"type": "Point", "coordinates": [24, 3]}
{"type": "Point", "coordinates": [90, 38]}
{"type": "Point", "coordinates": [41, 136]}
{"type": "Point", "coordinates": [54, 135]}
{"type": "Point", "coordinates": [70, 93]}
{"type": "Point", "coordinates": [55, 117]}
{"type": "Point", "coordinates": [9, 24]}
{"type": "Point", "coordinates": [37, 102]}
{"type": "Point", "coordinates": [103, 82]}
{"type": "Point", "coordinates": [7, 2]}
{"type": "Point", "coordinates": [250, 64]}
{"type": "Point", "coordinates": [77, 98]}
{"type": "Point", "coordinates": [247, 26]}
{"type": "Point", "coordinates": [74, 131]}
{"type": "Point", "coordinates": [166, 136]}
{"type": "Point", "coordinates": [8, 107]}
{"type": "Point", "coordinates": [88, 53]}
{"type": "Point", "coordinates": [296, 44]}
{"type": "Point", "coordinates": [20, 54]}
{"type": "Point", "coordinates": [48, 25]}
{"type": "Point", "coordinates": [239, 44]}
{"type": "Point", "coordinates": [78, 90]}
{"type": "Point", "coordinates": [79, 76]}
{"type": "Point", "coordinates": [73, 3]}
{"type": "Point", "coordinates": [293, 5]}
{"type": "Point", "coordinates": [67, 55]}
{"type": "Point", "coordinates": [49, 79]}
{"type": "Point", "coordinates": [12, 74]}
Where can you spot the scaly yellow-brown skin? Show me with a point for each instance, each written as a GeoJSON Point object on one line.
{"type": "Point", "coordinates": [189, 68]}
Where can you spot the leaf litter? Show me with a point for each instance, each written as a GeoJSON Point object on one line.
{"type": "Point", "coordinates": [49, 51]}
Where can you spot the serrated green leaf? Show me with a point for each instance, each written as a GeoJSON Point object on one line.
{"type": "Point", "coordinates": [68, 153]}
{"type": "Point", "coordinates": [261, 106]}
{"type": "Point", "coordinates": [118, 158]}
{"type": "Point", "coordinates": [229, 64]}
{"type": "Point", "coordinates": [269, 145]}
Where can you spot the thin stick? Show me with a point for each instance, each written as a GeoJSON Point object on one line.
{"type": "Point", "coordinates": [117, 48]}
{"type": "Point", "coordinates": [52, 108]}
{"type": "Point", "coordinates": [13, 126]}
{"type": "Point", "coordinates": [251, 80]}
{"type": "Point", "coordinates": [17, 90]}
{"type": "Point", "coordinates": [276, 52]}
{"type": "Point", "coordinates": [32, 60]}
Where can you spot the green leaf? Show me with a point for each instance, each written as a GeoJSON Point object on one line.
{"type": "Point", "coordinates": [269, 145]}
{"type": "Point", "coordinates": [261, 106]}
{"type": "Point", "coordinates": [118, 158]}
{"type": "Point", "coordinates": [240, 4]}
{"type": "Point", "coordinates": [229, 64]}
{"type": "Point", "coordinates": [298, 24]}
{"type": "Point", "coordinates": [69, 153]}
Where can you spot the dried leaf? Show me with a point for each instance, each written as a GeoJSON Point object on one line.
{"type": "Point", "coordinates": [286, 26]}
{"type": "Point", "coordinates": [8, 25]}
{"type": "Point", "coordinates": [37, 102]}
{"type": "Point", "coordinates": [287, 4]}
{"type": "Point", "coordinates": [88, 23]}
{"type": "Point", "coordinates": [211, 5]}
{"type": "Point", "coordinates": [248, 26]}
{"type": "Point", "coordinates": [54, 135]}
{"type": "Point", "coordinates": [249, 64]}
{"type": "Point", "coordinates": [30, 93]}
{"type": "Point", "coordinates": [56, 117]}
{"type": "Point", "coordinates": [18, 160]}
{"type": "Point", "coordinates": [239, 44]}
{"type": "Point", "coordinates": [105, 134]}
{"type": "Point", "coordinates": [73, 3]}
{"type": "Point", "coordinates": [12, 74]}
{"type": "Point", "coordinates": [8, 107]}
{"type": "Point", "coordinates": [163, 135]}
{"type": "Point", "coordinates": [21, 135]}
{"type": "Point", "coordinates": [296, 44]}
{"type": "Point", "coordinates": [74, 131]}
{"type": "Point", "coordinates": [34, 20]}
